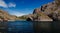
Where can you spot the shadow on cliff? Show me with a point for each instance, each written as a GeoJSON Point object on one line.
{"type": "Point", "coordinates": [28, 19]}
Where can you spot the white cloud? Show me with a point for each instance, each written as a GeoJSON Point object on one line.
{"type": "Point", "coordinates": [3, 4]}
{"type": "Point", "coordinates": [11, 5]}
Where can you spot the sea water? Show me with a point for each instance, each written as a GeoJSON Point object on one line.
{"type": "Point", "coordinates": [20, 27]}
{"type": "Point", "coordinates": [29, 27]}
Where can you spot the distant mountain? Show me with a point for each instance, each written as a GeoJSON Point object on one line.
{"type": "Point", "coordinates": [47, 12]}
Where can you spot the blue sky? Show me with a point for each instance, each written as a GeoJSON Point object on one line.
{"type": "Point", "coordinates": [21, 7]}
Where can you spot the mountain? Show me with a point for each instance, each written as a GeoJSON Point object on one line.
{"type": "Point", "coordinates": [5, 16]}
{"type": "Point", "coordinates": [39, 16]}
{"type": "Point", "coordinates": [47, 12]}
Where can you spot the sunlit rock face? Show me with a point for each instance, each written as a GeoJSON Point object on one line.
{"type": "Point", "coordinates": [5, 16]}
{"type": "Point", "coordinates": [38, 15]}
{"type": "Point", "coordinates": [37, 10]}
{"type": "Point", "coordinates": [48, 12]}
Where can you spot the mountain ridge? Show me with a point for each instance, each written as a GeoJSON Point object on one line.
{"type": "Point", "coordinates": [52, 10]}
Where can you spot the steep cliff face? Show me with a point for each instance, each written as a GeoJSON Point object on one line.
{"type": "Point", "coordinates": [48, 12]}
{"type": "Point", "coordinates": [40, 16]}
{"type": "Point", "coordinates": [52, 10]}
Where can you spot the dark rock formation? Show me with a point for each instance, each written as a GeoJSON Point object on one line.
{"type": "Point", "coordinates": [28, 19]}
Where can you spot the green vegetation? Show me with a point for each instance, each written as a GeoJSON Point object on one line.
{"type": "Point", "coordinates": [59, 12]}
{"type": "Point", "coordinates": [22, 17]}
{"type": "Point", "coordinates": [55, 8]}
{"type": "Point", "coordinates": [36, 15]}
{"type": "Point", "coordinates": [1, 17]}
{"type": "Point", "coordinates": [58, 2]}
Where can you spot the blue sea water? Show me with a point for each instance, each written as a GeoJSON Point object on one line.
{"type": "Point", "coordinates": [20, 27]}
{"type": "Point", "coordinates": [29, 27]}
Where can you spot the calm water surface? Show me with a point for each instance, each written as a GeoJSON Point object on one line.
{"type": "Point", "coordinates": [20, 27]}
{"type": "Point", "coordinates": [30, 27]}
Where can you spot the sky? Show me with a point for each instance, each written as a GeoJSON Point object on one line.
{"type": "Point", "coordinates": [21, 7]}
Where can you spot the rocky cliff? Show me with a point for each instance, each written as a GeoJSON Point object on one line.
{"type": "Point", "coordinates": [47, 12]}
{"type": "Point", "coordinates": [5, 16]}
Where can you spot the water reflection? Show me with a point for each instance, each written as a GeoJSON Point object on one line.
{"type": "Point", "coordinates": [29, 27]}
{"type": "Point", "coordinates": [3, 27]}
{"type": "Point", "coordinates": [47, 27]}
{"type": "Point", "coordinates": [20, 27]}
